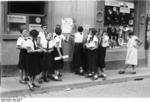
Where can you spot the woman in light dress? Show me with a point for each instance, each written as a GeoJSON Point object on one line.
{"type": "Point", "coordinates": [132, 53]}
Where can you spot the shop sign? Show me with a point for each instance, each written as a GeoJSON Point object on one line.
{"type": "Point", "coordinates": [16, 19]}
{"type": "Point", "coordinates": [112, 3]}
{"type": "Point", "coordinates": [124, 10]}
{"type": "Point", "coordinates": [35, 26]}
{"type": "Point", "coordinates": [119, 4]}
{"type": "Point", "coordinates": [67, 25]}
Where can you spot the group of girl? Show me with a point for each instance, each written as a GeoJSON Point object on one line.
{"type": "Point", "coordinates": [38, 51]}
{"type": "Point", "coordinates": [89, 53]}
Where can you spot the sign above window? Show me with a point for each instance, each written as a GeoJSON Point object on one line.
{"type": "Point", "coordinates": [16, 19]}
{"type": "Point", "coordinates": [119, 4]}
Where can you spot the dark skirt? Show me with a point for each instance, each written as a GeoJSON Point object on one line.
{"type": "Point", "coordinates": [58, 64]}
{"type": "Point", "coordinates": [34, 64]}
{"type": "Point", "coordinates": [84, 60]}
{"type": "Point", "coordinates": [92, 60]}
{"type": "Point", "coordinates": [78, 56]}
{"type": "Point", "coordinates": [48, 61]}
{"type": "Point", "coordinates": [101, 56]}
{"type": "Point", "coordinates": [22, 64]}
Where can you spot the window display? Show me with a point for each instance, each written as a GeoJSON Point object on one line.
{"type": "Point", "coordinates": [119, 18]}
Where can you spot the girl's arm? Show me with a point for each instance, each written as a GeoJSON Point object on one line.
{"type": "Point", "coordinates": [96, 46]}
{"type": "Point", "coordinates": [58, 49]}
{"type": "Point", "coordinates": [29, 50]}
{"type": "Point", "coordinates": [20, 47]}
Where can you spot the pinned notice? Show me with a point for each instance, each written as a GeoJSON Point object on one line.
{"type": "Point", "coordinates": [67, 25]}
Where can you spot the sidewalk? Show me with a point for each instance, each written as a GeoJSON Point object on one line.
{"type": "Point", "coordinates": [10, 86]}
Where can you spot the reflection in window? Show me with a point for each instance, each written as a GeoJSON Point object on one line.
{"type": "Point", "coordinates": [118, 20]}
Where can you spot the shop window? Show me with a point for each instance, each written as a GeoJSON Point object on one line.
{"type": "Point", "coordinates": [119, 18]}
{"type": "Point", "coordinates": [19, 12]}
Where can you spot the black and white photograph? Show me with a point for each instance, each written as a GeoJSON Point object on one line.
{"type": "Point", "coordinates": [74, 49]}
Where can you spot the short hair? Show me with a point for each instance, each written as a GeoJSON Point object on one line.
{"type": "Point", "coordinates": [34, 33]}
{"type": "Point", "coordinates": [58, 26]}
{"type": "Point", "coordinates": [58, 31]}
{"type": "Point", "coordinates": [104, 32]}
{"type": "Point", "coordinates": [93, 30]}
{"type": "Point", "coordinates": [80, 29]}
{"type": "Point", "coordinates": [131, 33]}
{"type": "Point", "coordinates": [43, 24]}
{"type": "Point", "coordinates": [22, 29]}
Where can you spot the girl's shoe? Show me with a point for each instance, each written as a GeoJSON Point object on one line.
{"type": "Point", "coordinates": [95, 77]}
{"type": "Point", "coordinates": [121, 72]}
{"type": "Point", "coordinates": [35, 85]}
{"type": "Point", "coordinates": [22, 82]}
{"type": "Point", "coordinates": [104, 76]}
{"type": "Point", "coordinates": [26, 79]}
{"type": "Point", "coordinates": [56, 78]}
{"type": "Point", "coordinates": [90, 75]}
{"type": "Point", "coordinates": [40, 81]}
{"type": "Point", "coordinates": [134, 72]}
{"type": "Point", "coordinates": [60, 75]}
{"type": "Point", "coordinates": [31, 87]}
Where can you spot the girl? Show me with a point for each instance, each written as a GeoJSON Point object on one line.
{"type": "Point", "coordinates": [78, 51]}
{"type": "Point", "coordinates": [132, 53]}
{"type": "Point", "coordinates": [34, 65]}
{"type": "Point", "coordinates": [46, 62]}
{"type": "Point", "coordinates": [48, 59]}
{"type": "Point", "coordinates": [92, 45]}
{"type": "Point", "coordinates": [104, 43]}
{"type": "Point", "coordinates": [58, 52]}
{"type": "Point", "coordinates": [21, 45]}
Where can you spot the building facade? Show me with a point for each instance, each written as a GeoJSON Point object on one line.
{"type": "Point", "coordinates": [87, 13]}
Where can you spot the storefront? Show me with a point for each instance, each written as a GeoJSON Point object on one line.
{"type": "Point", "coordinates": [116, 14]}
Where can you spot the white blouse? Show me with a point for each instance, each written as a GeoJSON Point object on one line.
{"type": "Point", "coordinates": [78, 37]}
{"type": "Point", "coordinates": [91, 43]}
{"type": "Point", "coordinates": [42, 38]}
{"type": "Point", "coordinates": [132, 42]}
{"type": "Point", "coordinates": [58, 39]}
{"type": "Point", "coordinates": [105, 41]}
{"type": "Point", "coordinates": [30, 44]}
{"type": "Point", "coordinates": [21, 41]}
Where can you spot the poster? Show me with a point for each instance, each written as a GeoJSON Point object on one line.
{"type": "Point", "coordinates": [124, 10]}
{"type": "Point", "coordinates": [67, 25]}
{"type": "Point", "coordinates": [16, 19]}
{"type": "Point", "coordinates": [35, 26]}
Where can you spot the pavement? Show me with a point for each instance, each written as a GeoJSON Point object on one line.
{"type": "Point", "coordinates": [10, 86]}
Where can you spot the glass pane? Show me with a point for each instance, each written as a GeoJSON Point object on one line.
{"type": "Point", "coordinates": [26, 7]}
{"type": "Point", "coordinates": [117, 21]}
{"type": "Point", "coordinates": [13, 28]}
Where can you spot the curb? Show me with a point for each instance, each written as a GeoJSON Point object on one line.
{"type": "Point", "coordinates": [69, 87]}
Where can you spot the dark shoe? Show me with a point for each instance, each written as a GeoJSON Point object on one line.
{"type": "Point", "coordinates": [26, 79]}
{"type": "Point", "coordinates": [35, 85]}
{"type": "Point", "coordinates": [133, 72]}
{"type": "Point", "coordinates": [57, 78]}
{"type": "Point", "coordinates": [22, 82]}
{"type": "Point", "coordinates": [31, 87]}
{"type": "Point", "coordinates": [90, 75]}
{"type": "Point", "coordinates": [121, 72]}
{"type": "Point", "coordinates": [46, 80]}
{"type": "Point", "coordinates": [60, 75]}
{"type": "Point", "coordinates": [40, 81]}
{"type": "Point", "coordinates": [95, 77]}
{"type": "Point", "coordinates": [104, 76]}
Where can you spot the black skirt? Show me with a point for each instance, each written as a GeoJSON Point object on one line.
{"type": "Point", "coordinates": [78, 56]}
{"type": "Point", "coordinates": [22, 64]}
{"type": "Point", "coordinates": [92, 60]}
{"type": "Point", "coordinates": [58, 64]}
{"type": "Point", "coordinates": [48, 61]}
{"type": "Point", "coordinates": [34, 64]}
{"type": "Point", "coordinates": [101, 56]}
